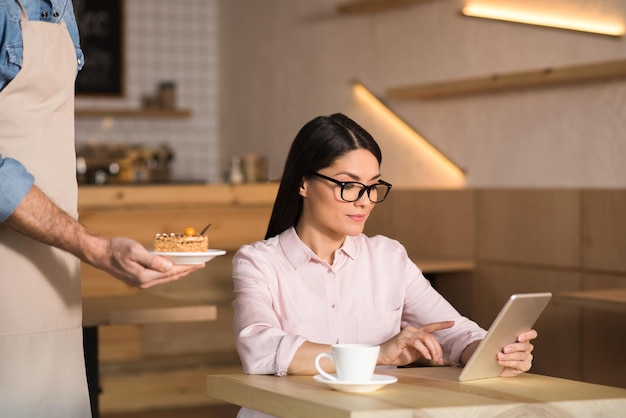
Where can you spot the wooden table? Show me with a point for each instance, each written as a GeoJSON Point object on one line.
{"type": "Point", "coordinates": [610, 299]}
{"type": "Point", "coordinates": [138, 308]}
{"type": "Point", "coordinates": [425, 391]}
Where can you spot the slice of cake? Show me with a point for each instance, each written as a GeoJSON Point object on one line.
{"type": "Point", "coordinates": [189, 241]}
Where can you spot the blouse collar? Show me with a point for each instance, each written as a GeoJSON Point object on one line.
{"type": "Point", "coordinates": [298, 253]}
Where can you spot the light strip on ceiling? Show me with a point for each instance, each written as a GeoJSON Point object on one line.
{"type": "Point", "coordinates": [520, 16]}
{"type": "Point", "coordinates": [364, 94]}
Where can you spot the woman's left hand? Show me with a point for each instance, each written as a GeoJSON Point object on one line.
{"type": "Point", "coordinates": [517, 357]}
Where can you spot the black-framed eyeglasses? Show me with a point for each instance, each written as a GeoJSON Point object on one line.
{"type": "Point", "coordinates": [351, 191]}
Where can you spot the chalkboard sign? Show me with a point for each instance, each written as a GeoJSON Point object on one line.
{"type": "Point", "coordinates": [100, 23]}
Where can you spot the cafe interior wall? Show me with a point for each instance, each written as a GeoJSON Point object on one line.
{"type": "Point", "coordinates": [283, 62]}
{"type": "Point", "coordinates": [253, 72]}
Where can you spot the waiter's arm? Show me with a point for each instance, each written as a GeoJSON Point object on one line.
{"type": "Point", "coordinates": [39, 218]}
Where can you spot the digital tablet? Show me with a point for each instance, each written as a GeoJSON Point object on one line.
{"type": "Point", "coordinates": [519, 314]}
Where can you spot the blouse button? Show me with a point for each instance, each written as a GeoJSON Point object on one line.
{"type": "Point", "coordinates": [44, 15]}
{"type": "Point", "coordinates": [332, 306]}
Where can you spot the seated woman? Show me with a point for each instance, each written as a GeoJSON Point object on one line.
{"type": "Point", "coordinates": [317, 280]}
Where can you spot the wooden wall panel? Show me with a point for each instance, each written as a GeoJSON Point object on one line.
{"type": "Point", "coordinates": [604, 337]}
{"type": "Point", "coordinates": [604, 230]}
{"type": "Point", "coordinates": [213, 284]}
{"type": "Point", "coordinates": [381, 220]}
{"type": "Point", "coordinates": [533, 227]}
{"type": "Point", "coordinates": [119, 343]}
{"type": "Point", "coordinates": [96, 282]}
{"type": "Point", "coordinates": [429, 223]}
{"type": "Point", "coordinates": [557, 351]}
{"type": "Point", "coordinates": [213, 338]}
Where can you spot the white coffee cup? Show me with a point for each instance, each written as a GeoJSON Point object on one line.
{"type": "Point", "coordinates": [353, 362]}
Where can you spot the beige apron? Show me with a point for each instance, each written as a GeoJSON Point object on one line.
{"type": "Point", "coordinates": [42, 371]}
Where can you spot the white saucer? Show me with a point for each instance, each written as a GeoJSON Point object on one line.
{"type": "Point", "coordinates": [377, 382]}
{"type": "Point", "coordinates": [191, 257]}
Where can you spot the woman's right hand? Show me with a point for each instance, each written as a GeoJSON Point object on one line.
{"type": "Point", "coordinates": [412, 343]}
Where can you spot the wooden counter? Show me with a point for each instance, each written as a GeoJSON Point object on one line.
{"type": "Point", "coordinates": [238, 215]}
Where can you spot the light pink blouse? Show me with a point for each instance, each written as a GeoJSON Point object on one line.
{"type": "Point", "coordinates": [285, 295]}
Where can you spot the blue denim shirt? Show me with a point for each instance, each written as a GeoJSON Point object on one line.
{"type": "Point", "coordinates": [15, 180]}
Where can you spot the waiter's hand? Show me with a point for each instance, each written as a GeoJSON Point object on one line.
{"type": "Point", "coordinates": [412, 343]}
{"type": "Point", "coordinates": [130, 262]}
{"type": "Point", "coordinates": [40, 218]}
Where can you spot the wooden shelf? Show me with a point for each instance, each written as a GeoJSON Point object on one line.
{"type": "Point", "coordinates": [133, 113]}
{"type": "Point", "coordinates": [374, 6]}
{"type": "Point", "coordinates": [498, 82]}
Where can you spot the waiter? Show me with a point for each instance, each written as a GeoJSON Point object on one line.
{"type": "Point", "coordinates": [42, 372]}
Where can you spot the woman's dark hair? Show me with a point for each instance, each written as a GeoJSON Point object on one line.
{"type": "Point", "coordinates": [318, 144]}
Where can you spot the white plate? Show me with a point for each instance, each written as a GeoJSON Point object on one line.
{"type": "Point", "coordinates": [377, 382]}
{"type": "Point", "coordinates": [191, 257]}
